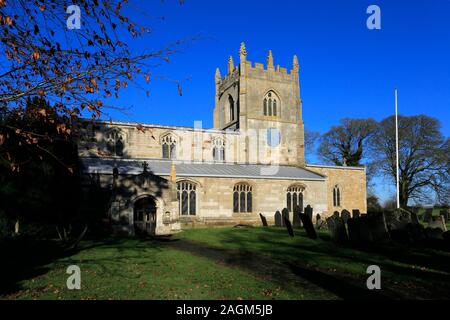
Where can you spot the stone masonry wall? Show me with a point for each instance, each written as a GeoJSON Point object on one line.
{"type": "Point", "coordinates": [352, 184]}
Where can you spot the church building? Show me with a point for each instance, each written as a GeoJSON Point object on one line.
{"type": "Point", "coordinates": [163, 179]}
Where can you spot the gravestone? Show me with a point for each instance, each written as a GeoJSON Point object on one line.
{"type": "Point", "coordinates": [438, 222]}
{"type": "Point", "coordinates": [336, 214]}
{"type": "Point", "coordinates": [338, 232]}
{"type": "Point", "coordinates": [396, 219]}
{"type": "Point", "coordinates": [284, 215]}
{"type": "Point", "coordinates": [263, 220]}
{"type": "Point", "coordinates": [405, 216]}
{"type": "Point", "coordinates": [297, 222]}
{"type": "Point", "coordinates": [428, 215]}
{"type": "Point", "coordinates": [345, 215]}
{"type": "Point", "coordinates": [365, 229]}
{"type": "Point", "coordinates": [319, 222]}
{"type": "Point", "coordinates": [309, 211]}
{"type": "Point", "coordinates": [414, 218]}
{"type": "Point", "coordinates": [288, 225]}
{"type": "Point", "coordinates": [308, 225]}
{"type": "Point", "coordinates": [353, 225]}
{"type": "Point", "coordinates": [416, 232]}
{"type": "Point", "coordinates": [378, 227]}
{"type": "Point", "coordinates": [445, 213]}
{"type": "Point", "coordinates": [356, 213]}
{"type": "Point", "coordinates": [277, 219]}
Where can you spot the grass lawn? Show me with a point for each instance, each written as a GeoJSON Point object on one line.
{"type": "Point", "coordinates": [221, 263]}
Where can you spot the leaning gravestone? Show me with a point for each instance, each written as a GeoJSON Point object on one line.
{"type": "Point", "coordinates": [336, 214]}
{"type": "Point", "coordinates": [288, 225]}
{"type": "Point", "coordinates": [284, 215]}
{"type": "Point", "coordinates": [438, 222]}
{"type": "Point", "coordinates": [296, 221]}
{"type": "Point", "coordinates": [345, 215]}
{"type": "Point", "coordinates": [277, 219]}
{"type": "Point", "coordinates": [445, 213]}
{"type": "Point", "coordinates": [428, 215]}
{"type": "Point", "coordinates": [263, 220]}
{"type": "Point", "coordinates": [308, 225]}
{"type": "Point", "coordinates": [396, 220]}
{"type": "Point", "coordinates": [338, 232]}
{"type": "Point", "coordinates": [355, 213]}
{"type": "Point", "coordinates": [309, 211]}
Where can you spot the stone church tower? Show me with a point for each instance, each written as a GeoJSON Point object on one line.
{"type": "Point", "coordinates": [264, 104]}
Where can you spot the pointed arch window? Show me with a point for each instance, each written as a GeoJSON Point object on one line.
{"type": "Point", "coordinates": [294, 197]}
{"type": "Point", "coordinates": [242, 198]}
{"type": "Point", "coordinates": [218, 149]}
{"type": "Point", "coordinates": [231, 107]}
{"type": "Point", "coordinates": [187, 198]}
{"type": "Point", "coordinates": [115, 142]}
{"type": "Point", "coordinates": [271, 104]}
{"type": "Point", "coordinates": [169, 147]}
{"type": "Point", "coordinates": [336, 196]}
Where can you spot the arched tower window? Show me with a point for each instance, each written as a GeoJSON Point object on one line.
{"type": "Point", "coordinates": [169, 147]}
{"type": "Point", "coordinates": [336, 196]}
{"type": "Point", "coordinates": [115, 142]}
{"type": "Point", "coordinates": [294, 197]}
{"type": "Point", "coordinates": [271, 104]}
{"type": "Point", "coordinates": [187, 198]}
{"type": "Point", "coordinates": [242, 198]}
{"type": "Point", "coordinates": [218, 149]}
{"type": "Point", "coordinates": [231, 107]}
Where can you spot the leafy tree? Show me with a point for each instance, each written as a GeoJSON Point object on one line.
{"type": "Point", "coordinates": [373, 203]}
{"type": "Point", "coordinates": [424, 157]}
{"type": "Point", "coordinates": [345, 144]}
{"type": "Point", "coordinates": [77, 70]}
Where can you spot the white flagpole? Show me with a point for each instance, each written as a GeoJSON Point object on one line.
{"type": "Point", "coordinates": [396, 147]}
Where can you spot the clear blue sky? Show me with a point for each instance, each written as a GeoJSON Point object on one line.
{"type": "Point", "coordinates": [346, 69]}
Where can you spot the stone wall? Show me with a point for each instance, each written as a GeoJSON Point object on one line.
{"type": "Point", "coordinates": [352, 184]}
{"type": "Point", "coordinates": [215, 200]}
{"type": "Point", "coordinates": [249, 146]}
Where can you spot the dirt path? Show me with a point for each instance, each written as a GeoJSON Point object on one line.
{"type": "Point", "coordinates": [322, 283]}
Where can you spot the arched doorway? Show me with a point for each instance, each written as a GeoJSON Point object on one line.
{"type": "Point", "coordinates": [145, 215]}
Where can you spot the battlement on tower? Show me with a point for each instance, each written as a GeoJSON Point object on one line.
{"type": "Point", "coordinates": [248, 68]}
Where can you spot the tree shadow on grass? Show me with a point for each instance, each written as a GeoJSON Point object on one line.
{"type": "Point", "coordinates": [412, 268]}
{"type": "Point", "coordinates": [343, 289]}
{"type": "Point", "coordinates": [288, 275]}
{"type": "Point", "coordinates": [26, 258]}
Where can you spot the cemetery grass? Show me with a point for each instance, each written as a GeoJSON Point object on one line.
{"type": "Point", "coordinates": [130, 268]}
{"type": "Point", "coordinates": [222, 263]}
{"type": "Point", "coordinates": [407, 273]}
